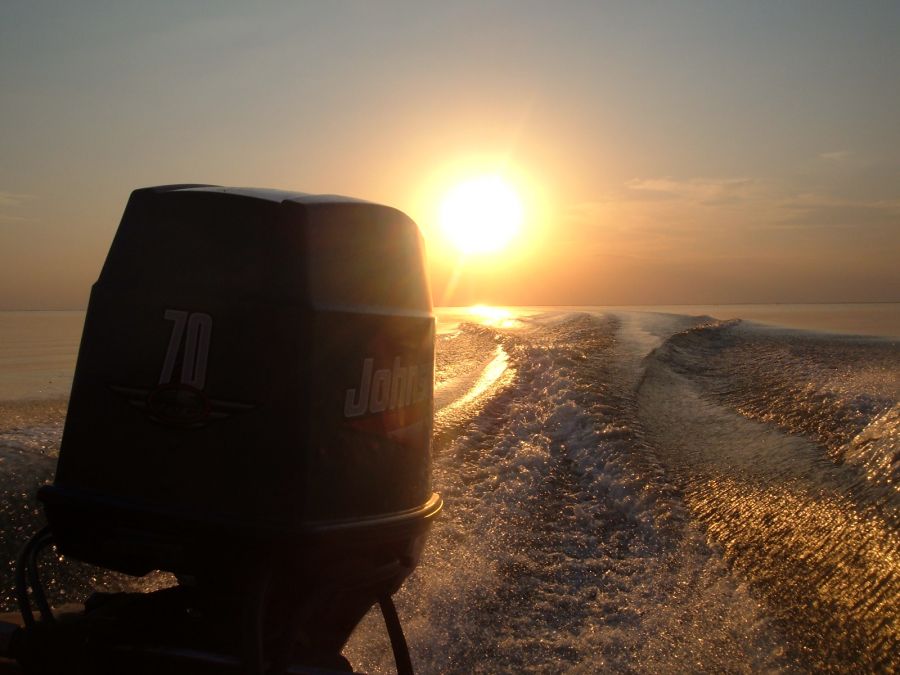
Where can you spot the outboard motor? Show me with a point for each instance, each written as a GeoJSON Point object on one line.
{"type": "Point", "coordinates": [251, 410]}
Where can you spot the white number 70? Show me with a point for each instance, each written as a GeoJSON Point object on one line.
{"type": "Point", "coordinates": [196, 347]}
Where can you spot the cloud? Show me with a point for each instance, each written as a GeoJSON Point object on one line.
{"type": "Point", "coordinates": [12, 200]}
{"type": "Point", "coordinates": [662, 214]}
{"type": "Point", "coordinates": [823, 210]}
{"type": "Point", "coordinates": [834, 155]}
{"type": "Point", "coordinates": [664, 207]}
{"type": "Point", "coordinates": [824, 200]}
{"type": "Point", "coordinates": [705, 191]}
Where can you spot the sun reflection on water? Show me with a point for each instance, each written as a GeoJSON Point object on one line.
{"type": "Point", "coordinates": [488, 315]}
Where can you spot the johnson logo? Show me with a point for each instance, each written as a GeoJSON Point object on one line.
{"type": "Point", "coordinates": [387, 388]}
{"type": "Point", "coordinates": [178, 405]}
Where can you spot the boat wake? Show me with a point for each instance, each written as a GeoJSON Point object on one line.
{"type": "Point", "coordinates": [659, 493]}
{"type": "Point", "coordinates": [634, 491]}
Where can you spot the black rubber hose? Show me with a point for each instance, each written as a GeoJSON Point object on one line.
{"type": "Point", "coordinates": [22, 575]}
{"type": "Point", "coordinates": [34, 579]}
{"type": "Point", "coordinates": [395, 631]}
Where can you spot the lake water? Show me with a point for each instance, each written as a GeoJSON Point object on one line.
{"type": "Point", "coordinates": [649, 489]}
{"type": "Point", "coordinates": [38, 349]}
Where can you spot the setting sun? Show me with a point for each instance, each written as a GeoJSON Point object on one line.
{"type": "Point", "coordinates": [481, 215]}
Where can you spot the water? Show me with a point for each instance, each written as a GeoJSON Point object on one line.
{"type": "Point", "coordinates": [628, 490]}
{"type": "Point", "coordinates": [37, 353]}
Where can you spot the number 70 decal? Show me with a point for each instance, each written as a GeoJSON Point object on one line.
{"type": "Point", "coordinates": [194, 329]}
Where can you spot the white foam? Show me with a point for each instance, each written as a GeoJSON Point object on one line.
{"type": "Point", "coordinates": [561, 548]}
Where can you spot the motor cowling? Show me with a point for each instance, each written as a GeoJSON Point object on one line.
{"type": "Point", "coordinates": [255, 372]}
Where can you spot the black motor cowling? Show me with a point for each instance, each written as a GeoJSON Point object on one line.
{"type": "Point", "coordinates": [255, 374]}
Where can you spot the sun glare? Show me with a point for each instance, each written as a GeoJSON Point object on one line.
{"type": "Point", "coordinates": [481, 215]}
{"type": "Point", "coordinates": [492, 316]}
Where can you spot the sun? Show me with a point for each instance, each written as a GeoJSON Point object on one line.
{"type": "Point", "coordinates": [481, 215]}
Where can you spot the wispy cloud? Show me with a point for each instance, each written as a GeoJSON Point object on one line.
{"type": "Point", "coordinates": [824, 210]}
{"type": "Point", "coordinates": [706, 191]}
{"type": "Point", "coordinates": [698, 222]}
{"type": "Point", "coordinates": [648, 200]}
{"type": "Point", "coordinates": [13, 198]}
{"type": "Point", "coordinates": [669, 209]}
{"type": "Point", "coordinates": [6, 218]}
{"type": "Point", "coordinates": [11, 201]}
{"type": "Point", "coordinates": [834, 155]}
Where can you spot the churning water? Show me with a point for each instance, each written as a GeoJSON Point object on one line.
{"type": "Point", "coordinates": [627, 491]}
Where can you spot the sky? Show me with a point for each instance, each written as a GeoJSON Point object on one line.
{"type": "Point", "coordinates": [664, 152]}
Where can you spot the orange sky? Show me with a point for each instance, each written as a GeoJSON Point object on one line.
{"type": "Point", "coordinates": [683, 153]}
